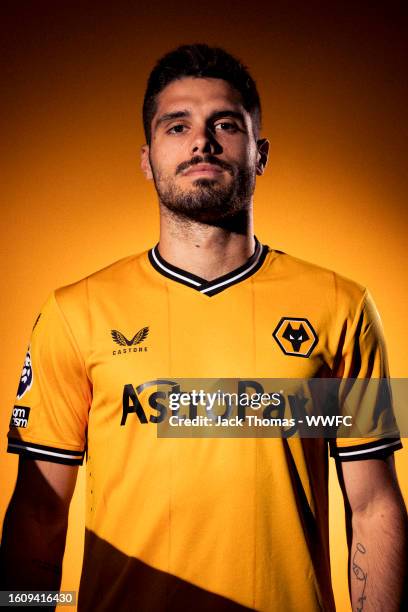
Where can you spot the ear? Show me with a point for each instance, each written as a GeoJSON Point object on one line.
{"type": "Point", "coordinates": [145, 162]}
{"type": "Point", "coordinates": [262, 155]}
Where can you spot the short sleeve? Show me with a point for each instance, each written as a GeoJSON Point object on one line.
{"type": "Point", "coordinates": [50, 415]}
{"type": "Point", "coordinates": [365, 390]}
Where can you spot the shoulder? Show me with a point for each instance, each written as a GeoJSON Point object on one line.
{"type": "Point", "coordinates": [106, 281]}
{"type": "Point", "coordinates": [76, 307]}
{"type": "Point", "coordinates": [311, 281]}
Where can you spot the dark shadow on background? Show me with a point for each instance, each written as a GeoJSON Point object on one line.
{"type": "Point", "coordinates": [112, 580]}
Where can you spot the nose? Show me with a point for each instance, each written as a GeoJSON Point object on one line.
{"type": "Point", "coordinates": [204, 142]}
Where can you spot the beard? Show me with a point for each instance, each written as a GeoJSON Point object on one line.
{"type": "Point", "coordinates": [207, 201]}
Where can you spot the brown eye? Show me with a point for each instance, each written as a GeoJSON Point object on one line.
{"type": "Point", "coordinates": [226, 126]}
{"type": "Point", "coordinates": [176, 129]}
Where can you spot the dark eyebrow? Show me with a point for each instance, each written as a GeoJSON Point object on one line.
{"type": "Point", "coordinates": [171, 116]}
{"type": "Point", "coordinates": [227, 113]}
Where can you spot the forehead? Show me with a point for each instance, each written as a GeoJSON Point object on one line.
{"type": "Point", "coordinates": [190, 93]}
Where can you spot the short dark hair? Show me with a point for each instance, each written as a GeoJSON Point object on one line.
{"type": "Point", "coordinates": [200, 60]}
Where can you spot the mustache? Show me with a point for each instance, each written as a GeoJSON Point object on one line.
{"type": "Point", "coordinates": [207, 159]}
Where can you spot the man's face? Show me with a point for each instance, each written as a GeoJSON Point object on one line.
{"type": "Point", "coordinates": [203, 155]}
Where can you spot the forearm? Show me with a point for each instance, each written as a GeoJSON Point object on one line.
{"type": "Point", "coordinates": [378, 558]}
{"type": "Point", "coordinates": [32, 549]}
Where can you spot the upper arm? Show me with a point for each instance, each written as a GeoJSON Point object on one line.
{"type": "Point", "coordinates": [35, 526]}
{"type": "Point", "coordinates": [45, 486]}
{"type": "Point", "coordinates": [369, 484]}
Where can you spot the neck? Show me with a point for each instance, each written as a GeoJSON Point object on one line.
{"type": "Point", "coordinates": [208, 251]}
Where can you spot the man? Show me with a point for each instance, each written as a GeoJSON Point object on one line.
{"type": "Point", "coordinates": [222, 523]}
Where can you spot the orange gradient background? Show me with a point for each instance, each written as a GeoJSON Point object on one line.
{"type": "Point", "coordinates": [334, 91]}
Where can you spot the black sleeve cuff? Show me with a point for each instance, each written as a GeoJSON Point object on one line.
{"type": "Point", "coordinates": [379, 449]}
{"type": "Point", "coordinates": [29, 450]}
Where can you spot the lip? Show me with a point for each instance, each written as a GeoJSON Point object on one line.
{"type": "Point", "coordinates": [203, 169]}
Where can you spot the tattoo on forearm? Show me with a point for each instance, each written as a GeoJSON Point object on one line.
{"type": "Point", "coordinates": [360, 575]}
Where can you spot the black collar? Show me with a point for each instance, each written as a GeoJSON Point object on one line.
{"type": "Point", "coordinates": [216, 285]}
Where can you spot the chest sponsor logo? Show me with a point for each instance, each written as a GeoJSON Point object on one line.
{"type": "Point", "coordinates": [157, 401]}
{"type": "Point", "coordinates": [26, 379]}
{"type": "Point", "coordinates": [130, 346]}
{"type": "Point", "coordinates": [295, 336]}
{"type": "Point", "coordinates": [19, 417]}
